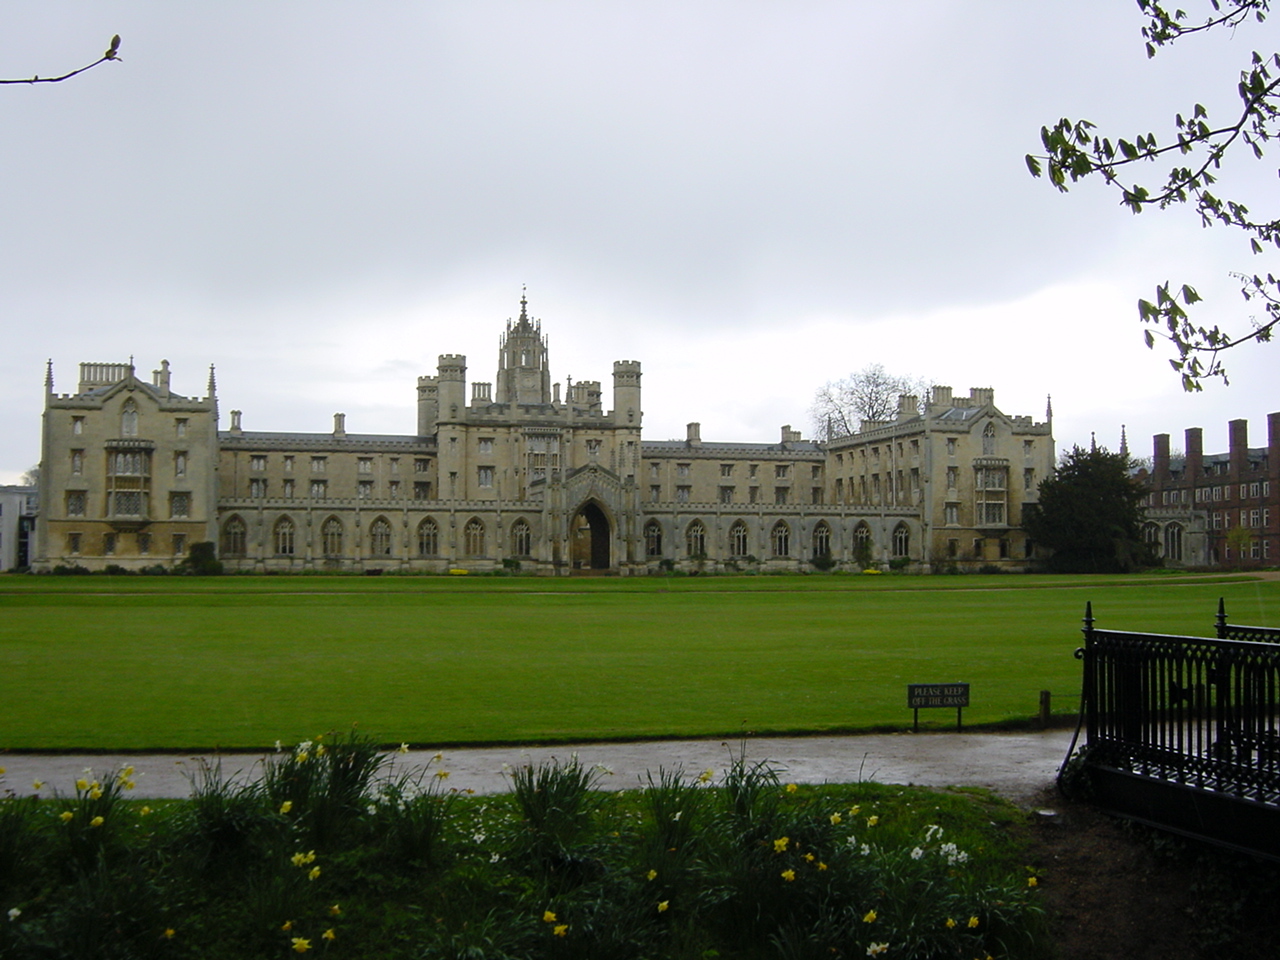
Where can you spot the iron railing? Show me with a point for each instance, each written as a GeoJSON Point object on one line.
{"type": "Point", "coordinates": [1183, 731]}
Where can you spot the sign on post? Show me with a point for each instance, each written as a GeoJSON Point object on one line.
{"type": "Point", "coordinates": [937, 695]}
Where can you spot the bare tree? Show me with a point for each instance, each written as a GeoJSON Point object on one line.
{"type": "Point", "coordinates": [111, 54]}
{"type": "Point", "coordinates": [869, 394]}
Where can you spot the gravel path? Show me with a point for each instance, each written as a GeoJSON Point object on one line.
{"type": "Point", "coordinates": [1014, 765]}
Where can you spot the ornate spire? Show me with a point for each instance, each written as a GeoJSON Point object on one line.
{"type": "Point", "coordinates": [1124, 442]}
{"type": "Point", "coordinates": [48, 376]}
{"type": "Point", "coordinates": [213, 383]}
{"type": "Point", "coordinates": [1048, 407]}
{"type": "Point", "coordinates": [524, 303]}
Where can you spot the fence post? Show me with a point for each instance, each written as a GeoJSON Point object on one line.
{"type": "Point", "coordinates": [1045, 709]}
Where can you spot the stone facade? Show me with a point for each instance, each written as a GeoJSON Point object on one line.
{"type": "Point", "coordinates": [516, 472]}
{"type": "Point", "coordinates": [18, 511]}
{"type": "Point", "coordinates": [1218, 509]}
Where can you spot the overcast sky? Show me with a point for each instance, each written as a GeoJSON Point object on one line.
{"type": "Point", "coordinates": [749, 198]}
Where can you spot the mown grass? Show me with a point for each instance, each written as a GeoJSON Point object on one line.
{"type": "Point", "coordinates": [391, 864]}
{"type": "Point", "coordinates": [237, 662]}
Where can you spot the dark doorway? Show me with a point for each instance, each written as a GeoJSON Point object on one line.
{"type": "Point", "coordinates": [589, 537]}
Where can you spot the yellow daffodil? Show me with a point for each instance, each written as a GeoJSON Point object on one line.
{"type": "Point", "coordinates": [437, 758]}
{"type": "Point", "coordinates": [853, 811]}
{"type": "Point", "coordinates": [835, 819]}
{"type": "Point", "coordinates": [662, 907]}
{"type": "Point", "coordinates": [791, 788]}
{"type": "Point", "coordinates": [561, 930]}
{"type": "Point", "coordinates": [950, 923]}
{"type": "Point", "coordinates": [652, 875]}
{"type": "Point", "coordinates": [705, 776]}
{"type": "Point", "coordinates": [329, 934]}
{"type": "Point", "coordinates": [870, 917]}
{"type": "Point", "coordinates": [1032, 882]}
{"type": "Point", "coordinates": [286, 806]}
{"type": "Point", "coordinates": [403, 748]}
{"type": "Point", "coordinates": [298, 859]}
{"type": "Point", "coordinates": [809, 857]}
{"type": "Point", "coordinates": [872, 821]}
{"type": "Point", "coordinates": [313, 873]}
{"type": "Point", "coordinates": [82, 784]}
{"type": "Point", "coordinates": [780, 844]}
{"type": "Point", "coordinates": [788, 875]}
{"type": "Point", "coordinates": [126, 772]}
{"type": "Point", "coordinates": [65, 816]}
{"type": "Point", "coordinates": [442, 774]}
{"type": "Point", "coordinates": [129, 784]}
{"type": "Point", "coordinates": [335, 910]}
{"type": "Point", "coordinates": [1, 771]}
{"type": "Point", "coordinates": [303, 757]}
{"type": "Point", "coordinates": [973, 921]}
{"type": "Point", "coordinates": [96, 822]}
{"type": "Point", "coordinates": [548, 917]}
{"type": "Point", "coordinates": [287, 926]}
{"type": "Point", "coordinates": [95, 794]}
{"type": "Point", "coordinates": [169, 933]}
{"type": "Point", "coordinates": [37, 784]}
{"type": "Point", "coordinates": [94, 785]}
{"type": "Point", "coordinates": [876, 949]}
{"type": "Point", "coordinates": [320, 750]}
{"type": "Point", "coordinates": [145, 811]}
{"type": "Point", "coordinates": [821, 865]}
{"type": "Point", "coordinates": [301, 944]}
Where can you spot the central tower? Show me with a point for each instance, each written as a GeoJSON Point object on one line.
{"type": "Point", "coordinates": [524, 376]}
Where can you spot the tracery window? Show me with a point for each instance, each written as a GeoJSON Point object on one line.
{"type": "Point", "coordinates": [473, 537]}
{"type": "Point", "coordinates": [284, 537]}
{"type": "Point", "coordinates": [521, 539]}
{"type": "Point", "coordinates": [380, 538]}
{"type": "Point", "coordinates": [1173, 541]}
{"type": "Point", "coordinates": [233, 537]}
{"type": "Point", "coordinates": [331, 537]}
{"type": "Point", "coordinates": [901, 540]}
{"type": "Point", "coordinates": [739, 540]}
{"type": "Point", "coordinates": [428, 538]}
{"type": "Point", "coordinates": [780, 539]}
{"type": "Point", "coordinates": [822, 540]}
{"type": "Point", "coordinates": [129, 420]}
{"type": "Point", "coordinates": [695, 539]}
{"type": "Point", "coordinates": [989, 440]}
{"type": "Point", "coordinates": [653, 539]}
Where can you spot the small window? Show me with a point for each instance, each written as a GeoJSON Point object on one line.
{"type": "Point", "coordinates": [393, 489]}
{"type": "Point", "coordinates": [655, 470]}
{"type": "Point", "coordinates": [77, 425]}
{"type": "Point", "coordinates": [780, 495]}
{"type": "Point", "coordinates": [484, 477]}
{"type": "Point", "coordinates": [180, 463]}
{"type": "Point", "coordinates": [258, 462]}
{"type": "Point", "coordinates": [364, 465]}
{"type": "Point", "coordinates": [129, 420]}
{"type": "Point", "coordinates": [683, 494]}
{"type": "Point", "coordinates": [422, 490]}
{"type": "Point", "coordinates": [288, 489]}
{"type": "Point", "coordinates": [817, 473]}
{"type": "Point", "coordinates": [395, 464]}
{"type": "Point", "coordinates": [726, 494]}
{"type": "Point", "coordinates": [364, 490]}
{"type": "Point", "coordinates": [179, 544]}
{"type": "Point", "coordinates": [77, 462]}
{"type": "Point", "coordinates": [179, 505]}
{"type": "Point", "coordinates": [682, 469]}
{"type": "Point", "coordinates": [317, 464]}
{"type": "Point", "coordinates": [593, 448]}
{"type": "Point", "coordinates": [780, 471]}
{"type": "Point", "coordinates": [75, 504]}
{"type": "Point", "coordinates": [288, 464]}
{"type": "Point", "coordinates": [751, 469]}
{"type": "Point", "coordinates": [180, 427]}
{"type": "Point", "coordinates": [726, 469]}
{"type": "Point", "coordinates": [421, 465]}
{"type": "Point", "coordinates": [73, 543]}
{"type": "Point", "coordinates": [109, 544]}
{"type": "Point", "coordinates": [319, 488]}
{"type": "Point", "coordinates": [655, 493]}
{"type": "Point", "coordinates": [257, 488]}
{"type": "Point", "coordinates": [951, 446]}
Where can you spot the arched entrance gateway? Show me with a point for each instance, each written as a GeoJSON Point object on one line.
{"type": "Point", "coordinates": [589, 538]}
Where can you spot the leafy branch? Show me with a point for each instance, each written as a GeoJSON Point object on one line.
{"type": "Point", "coordinates": [111, 54]}
{"type": "Point", "coordinates": [1073, 151]}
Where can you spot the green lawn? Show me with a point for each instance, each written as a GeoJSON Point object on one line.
{"type": "Point", "coordinates": [184, 663]}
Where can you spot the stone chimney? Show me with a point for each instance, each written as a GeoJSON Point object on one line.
{"type": "Point", "coordinates": [339, 424]}
{"type": "Point", "coordinates": [693, 435]}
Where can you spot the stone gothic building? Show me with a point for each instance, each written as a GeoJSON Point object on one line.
{"type": "Point", "coordinates": [517, 472]}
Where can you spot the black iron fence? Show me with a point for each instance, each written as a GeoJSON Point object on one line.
{"type": "Point", "coordinates": [1184, 732]}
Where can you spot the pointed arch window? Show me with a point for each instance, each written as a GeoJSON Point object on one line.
{"type": "Point", "coordinates": [284, 537]}
{"type": "Point", "coordinates": [739, 540]}
{"type": "Point", "coordinates": [428, 538]}
{"type": "Point", "coordinates": [473, 537]}
{"type": "Point", "coordinates": [695, 539]}
{"type": "Point", "coordinates": [989, 440]}
{"type": "Point", "coordinates": [901, 540]}
{"type": "Point", "coordinates": [653, 539]}
{"type": "Point", "coordinates": [1173, 542]}
{"type": "Point", "coordinates": [780, 539]}
{"type": "Point", "coordinates": [233, 537]}
{"type": "Point", "coordinates": [331, 537]}
{"type": "Point", "coordinates": [862, 543]}
{"type": "Point", "coordinates": [822, 540]}
{"type": "Point", "coordinates": [380, 538]}
{"type": "Point", "coordinates": [521, 539]}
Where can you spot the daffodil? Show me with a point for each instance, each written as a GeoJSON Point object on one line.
{"type": "Point", "coordinates": [1032, 882]}
{"type": "Point", "coordinates": [96, 822]}
{"type": "Point", "coordinates": [65, 816]}
{"type": "Point", "coordinates": [403, 748]}
{"type": "Point", "coordinates": [973, 922]}
{"type": "Point", "coordinates": [442, 774]}
{"type": "Point", "coordinates": [286, 806]}
{"type": "Point", "coordinates": [780, 844]}
{"type": "Point", "coordinates": [836, 819]}
{"type": "Point", "coordinates": [95, 794]}
{"type": "Point", "coordinates": [301, 944]}
{"type": "Point", "coordinates": [129, 784]}
{"type": "Point", "coordinates": [145, 811]}
{"type": "Point", "coordinates": [662, 907]}
{"type": "Point", "coordinates": [169, 933]}
{"type": "Point", "coordinates": [950, 923]}
{"type": "Point", "coordinates": [821, 865]}
{"type": "Point", "coordinates": [329, 934]}
{"type": "Point", "coordinates": [809, 857]}
{"type": "Point", "coordinates": [313, 873]}
{"type": "Point", "coordinates": [320, 750]}
{"type": "Point", "coordinates": [82, 784]}
{"type": "Point", "coordinates": [335, 910]}
{"type": "Point", "coordinates": [14, 914]}
{"type": "Point", "coordinates": [853, 811]}
{"type": "Point", "coordinates": [287, 926]}
{"type": "Point", "coordinates": [548, 917]}
{"type": "Point", "coordinates": [561, 929]}
{"type": "Point", "coordinates": [303, 757]}
{"type": "Point", "coordinates": [705, 776]}
{"type": "Point", "coordinates": [869, 917]}
{"type": "Point", "coordinates": [652, 875]}
{"type": "Point", "coordinates": [126, 772]}
{"type": "Point", "coordinates": [37, 784]}
{"type": "Point", "coordinates": [791, 788]}
{"type": "Point", "coordinates": [872, 821]}
{"type": "Point", "coordinates": [876, 949]}
{"type": "Point", "coordinates": [788, 875]}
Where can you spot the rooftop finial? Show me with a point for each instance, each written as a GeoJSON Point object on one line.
{"type": "Point", "coordinates": [48, 376]}
{"type": "Point", "coordinates": [524, 302]}
{"type": "Point", "coordinates": [1124, 442]}
{"type": "Point", "coordinates": [1048, 407]}
{"type": "Point", "coordinates": [213, 383]}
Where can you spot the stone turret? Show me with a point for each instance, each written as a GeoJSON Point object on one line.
{"type": "Point", "coordinates": [524, 374]}
{"type": "Point", "coordinates": [626, 392]}
{"type": "Point", "coordinates": [451, 381]}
